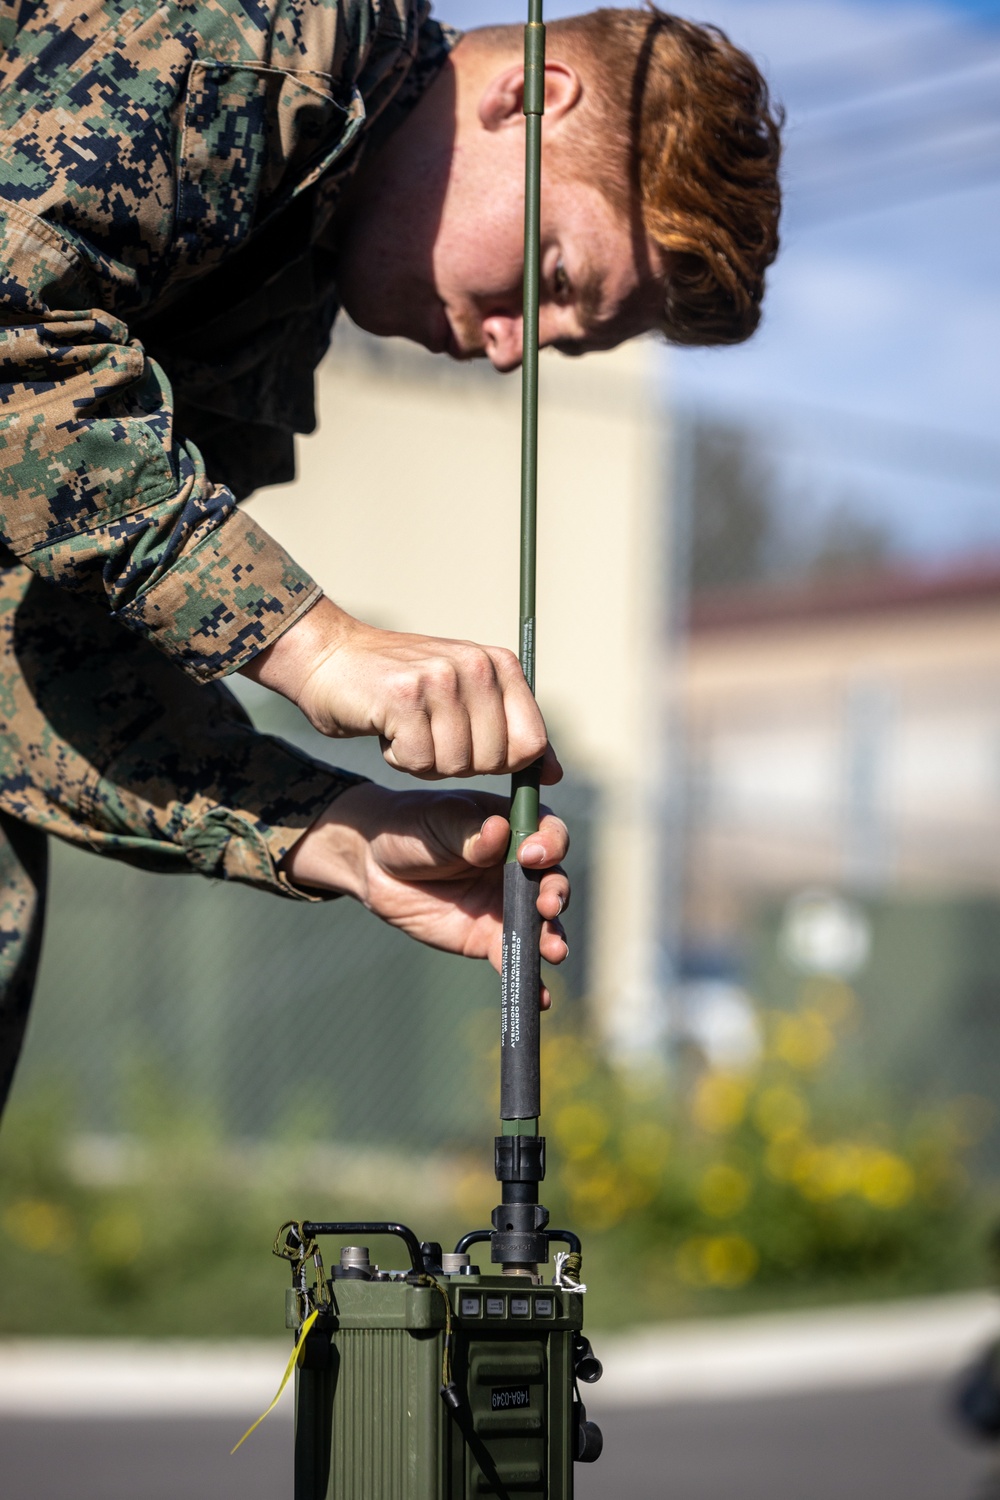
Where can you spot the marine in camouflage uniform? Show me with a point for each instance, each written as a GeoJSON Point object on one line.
{"type": "Point", "coordinates": [169, 176]}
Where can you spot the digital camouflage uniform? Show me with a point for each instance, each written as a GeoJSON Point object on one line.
{"type": "Point", "coordinates": [169, 174]}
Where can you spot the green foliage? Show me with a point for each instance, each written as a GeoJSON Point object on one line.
{"type": "Point", "coordinates": [694, 1192]}
{"type": "Point", "coordinates": [160, 1233]}
{"type": "Point", "coordinates": [711, 1190]}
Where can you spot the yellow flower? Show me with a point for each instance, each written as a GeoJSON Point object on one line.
{"type": "Point", "coordinates": [730, 1260]}
{"type": "Point", "coordinates": [566, 1064]}
{"type": "Point", "coordinates": [886, 1180]}
{"type": "Point", "coordinates": [825, 1172]}
{"type": "Point", "coordinates": [723, 1191]}
{"type": "Point", "coordinates": [689, 1261]}
{"type": "Point", "coordinates": [643, 1085]}
{"type": "Point", "coordinates": [600, 1198]}
{"type": "Point", "coordinates": [781, 1156]}
{"type": "Point", "coordinates": [645, 1148]}
{"type": "Point", "coordinates": [803, 1041]}
{"type": "Point", "coordinates": [36, 1224]}
{"type": "Point", "coordinates": [639, 1191]}
{"type": "Point", "coordinates": [474, 1193]}
{"type": "Point", "coordinates": [581, 1129]}
{"type": "Point", "coordinates": [116, 1237]}
{"type": "Point", "coordinates": [780, 1111]}
{"type": "Point", "coordinates": [719, 1102]}
{"type": "Point", "coordinates": [722, 1260]}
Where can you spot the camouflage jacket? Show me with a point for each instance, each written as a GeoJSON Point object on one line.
{"type": "Point", "coordinates": [169, 171]}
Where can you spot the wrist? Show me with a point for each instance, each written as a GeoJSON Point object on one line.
{"type": "Point", "coordinates": [334, 852]}
{"type": "Point", "coordinates": [287, 664]}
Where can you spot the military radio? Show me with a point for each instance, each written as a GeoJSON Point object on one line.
{"type": "Point", "coordinates": [459, 1375]}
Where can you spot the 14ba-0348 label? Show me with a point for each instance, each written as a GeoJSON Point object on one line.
{"type": "Point", "coordinates": [509, 1397]}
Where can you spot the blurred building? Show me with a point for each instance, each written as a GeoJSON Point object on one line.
{"type": "Point", "coordinates": [845, 734]}
{"type": "Point", "coordinates": [843, 823]}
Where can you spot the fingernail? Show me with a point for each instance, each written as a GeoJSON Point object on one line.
{"type": "Point", "coordinates": [532, 854]}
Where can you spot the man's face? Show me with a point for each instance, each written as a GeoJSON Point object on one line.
{"type": "Point", "coordinates": [598, 281]}
{"type": "Point", "coordinates": [439, 259]}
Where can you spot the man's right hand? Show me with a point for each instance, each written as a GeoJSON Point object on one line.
{"type": "Point", "coordinates": [439, 707]}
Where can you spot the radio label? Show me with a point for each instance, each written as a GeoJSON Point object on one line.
{"type": "Point", "coordinates": [509, 1397]}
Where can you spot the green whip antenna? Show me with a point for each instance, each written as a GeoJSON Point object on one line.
{"type": "Point", "coordinates": [521, 983]}
{"type": "Point", "coordinates": [520, 1153]}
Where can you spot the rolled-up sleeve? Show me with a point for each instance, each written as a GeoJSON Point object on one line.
{"type": "Point", "coordinates": [101, 496]}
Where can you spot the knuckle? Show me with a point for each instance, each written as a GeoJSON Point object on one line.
{"type": "Point", "coordinates": [478, 667]}
{"type": "Point", "coordinates": [416, 765]}
{"type": "Point", "coordinates": [441, 677]}
{"type": "Point", "coordinates": [507, 660]}
{"type": "Point", "coordinates": [413, 754]}
{"type": "Point", "coordinates": [533, 742]}
{"type": "Point", "coordinates": [491, 754]}
{"type": "Point", "coordinates": [456, 760]}
{"type": "Point", "coordinates": [407, 691]}
{"type": "Point", "coordinates": [457, 767]}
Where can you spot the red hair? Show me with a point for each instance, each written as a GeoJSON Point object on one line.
{"type": "Point", "coordinates": [678, 130]}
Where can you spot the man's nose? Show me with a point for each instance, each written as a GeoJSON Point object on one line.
{"type": "Point", "coordinates": [504, 336]}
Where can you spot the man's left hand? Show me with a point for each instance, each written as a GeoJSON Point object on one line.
{"type": "Point", "coordinates": [431, 864]}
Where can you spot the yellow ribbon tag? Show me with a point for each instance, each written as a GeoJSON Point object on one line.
{"type": "Point", "coordinates": [296, 1356]}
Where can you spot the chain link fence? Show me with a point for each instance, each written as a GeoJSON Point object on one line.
{"type": "Point", "coordinates": [262, 1015]}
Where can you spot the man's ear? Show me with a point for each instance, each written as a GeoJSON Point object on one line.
{"type": "Point", "coordinates": [502, 100]}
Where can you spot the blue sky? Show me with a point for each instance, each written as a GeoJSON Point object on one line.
{"type": "Point", "coordinates": [875, 377]}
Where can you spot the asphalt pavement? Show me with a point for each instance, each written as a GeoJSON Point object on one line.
{"type": "Point", "coordinates": [843, 1404]}
{"type": "Point", "coordinates": [883, 1443]}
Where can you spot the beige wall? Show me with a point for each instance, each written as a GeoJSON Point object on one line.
{"type": "Point", "coordinates": [406, 510]}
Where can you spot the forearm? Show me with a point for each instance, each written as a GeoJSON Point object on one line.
{"type": "Point", "coordinates": [100, 497]}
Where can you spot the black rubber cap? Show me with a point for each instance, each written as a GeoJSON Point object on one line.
{"type": "Point", "coordinates": [585, 1362]}
{"type": "Point", "coordinates": [977, 1398]}
{"type": "Point", "coordinates": [589, 1443]}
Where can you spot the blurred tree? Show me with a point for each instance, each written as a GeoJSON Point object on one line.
{"type": "Point", "coordinates": [748, 527]}
{"type": "Point", "coordinates": [849, 542]}
{"type": "Point", "coordinates": [735, 523]}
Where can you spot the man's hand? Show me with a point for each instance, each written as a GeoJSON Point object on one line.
{"type": "Point", "coordinates": [431, 864]}
{"type": "Point", "coordinates": [439, 707]}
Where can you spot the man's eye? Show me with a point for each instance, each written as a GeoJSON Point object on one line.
{"type": "Point", "coordinates": [560, 280]}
